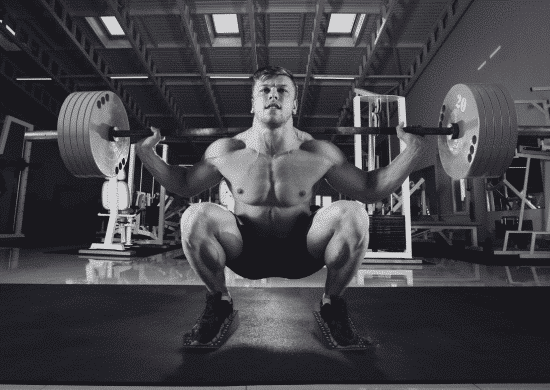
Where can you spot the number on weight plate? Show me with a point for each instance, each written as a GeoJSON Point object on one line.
{"type": "Point", "coordinates": [461, 103]}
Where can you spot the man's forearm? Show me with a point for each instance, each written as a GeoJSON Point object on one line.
{"type": "Point", "coordinates": [384, 181]}
{"type": "Point", "coordinates": [171, 177]}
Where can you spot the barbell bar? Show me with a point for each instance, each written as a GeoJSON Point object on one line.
{"type": "Point", "coordinates": [477, 132]}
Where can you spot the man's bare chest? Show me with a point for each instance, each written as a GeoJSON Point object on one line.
{"type": "Point", "coordinates": [282, 180]}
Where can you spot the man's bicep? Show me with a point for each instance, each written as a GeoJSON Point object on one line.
{"type": "Point", "coordinates": [200, 177]}
{"type": "Point", "coordinates": [348, 180]}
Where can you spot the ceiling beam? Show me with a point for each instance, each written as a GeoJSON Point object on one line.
{"type": "Point", "coordinates": [187, 24]}
{"type": "Point", "coordinates": [216, 7]}
{"type": "Point", "coordinates": [320, 7]}
{"type": "Point", "coordinates": [11, 71]}
{"type": "Point", "coordinates": [58, 11]}
{"type": "Point", "coordinates": [253, 43]}
{"type": "Point", "coordinates": [446, 23]}
{"type": "Point", "coordinates": [239, 75]}
{"type": "Point", "coordinates": [382, 25]}
{"type": "Point", "coordinates": [144, 56]}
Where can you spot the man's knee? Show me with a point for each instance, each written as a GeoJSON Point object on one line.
{"type": "Point", "coordinates": [353, 224]}
{"type": "Point", "coordinates": [197, 215]}
{"type": "Point", "coordinates": [208, 221]}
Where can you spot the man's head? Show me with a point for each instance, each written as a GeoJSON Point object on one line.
{"type": "Point", "coordinates": [274, 95]}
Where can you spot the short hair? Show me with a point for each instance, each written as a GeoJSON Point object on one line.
{"type": "Point", "coordinates": [268, 72]}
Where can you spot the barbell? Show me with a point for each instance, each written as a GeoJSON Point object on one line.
{"type": "Point", "coordinates": [477, 132]}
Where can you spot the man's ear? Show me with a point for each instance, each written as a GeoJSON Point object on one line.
{"type": "Point", "coordinates": [252, 109]}
{"type": "Point", "coordinates": [295, 109]}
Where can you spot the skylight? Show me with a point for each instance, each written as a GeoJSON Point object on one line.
{"type": "Point", "coordinates": [112, 25]}
{"type": "Point", "coordinates": [225, 23]}
{"type": "Point", "coordinates": [341, 23]}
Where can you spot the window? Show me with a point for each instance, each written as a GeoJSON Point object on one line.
{"type": "Point", "coordinates": [341, 23]}
{"type": "Point", "coordinates": [112, 26]}
{"type": "Point", "coordinates": [225, 24]}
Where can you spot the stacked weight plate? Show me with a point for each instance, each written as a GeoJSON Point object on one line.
{"type": "Point", "coordinates": [487, 120]}
{"type": "Point", "coordinates": [83, 134]}
{"type": "Point", "coordinates": [387, 233]}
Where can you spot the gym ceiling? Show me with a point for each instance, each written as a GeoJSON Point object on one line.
{"type": "Point", "coordinates": [192, 73]}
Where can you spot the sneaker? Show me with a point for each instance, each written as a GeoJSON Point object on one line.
{"type": "Point", "coordinates": [214, 316]}
{"type": "Point", "coordinates": [335, 315]}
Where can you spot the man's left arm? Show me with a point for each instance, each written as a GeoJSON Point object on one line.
{"type": "Point", "coordinates": [372, 186]}
{"type": "Point", "coordinates": [385, 180]}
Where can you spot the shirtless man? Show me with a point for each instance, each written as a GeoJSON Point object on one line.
{"type": "Point", "coordinates": [273, 170]}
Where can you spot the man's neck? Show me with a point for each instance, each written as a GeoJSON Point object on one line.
{"type": "Point", "coordinates": [274, 139]}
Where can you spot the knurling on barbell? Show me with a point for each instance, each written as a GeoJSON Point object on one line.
{"type": "Point", "coordinates": [477, 133]}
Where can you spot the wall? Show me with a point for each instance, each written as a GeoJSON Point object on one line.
{"type": "Point", "coordinates": [521, 29]}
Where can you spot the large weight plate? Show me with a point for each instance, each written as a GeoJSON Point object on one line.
{"type": "Point", "coordinates": [108, 156]}
{"type": "Point", "coordinates": [463, 105]}
{"type": "Point", "coordinates": [493, 117]}
{"type": "Point", "coordinates": [483, 151]}
{"type": "Point", "coordinates": [64, 116]}
{"type": "Point", "coordinates": [82, 135]}
{"type": "Point", "coordinates": [77, 134]}
{"type": "Point", "coordinates": [65, 139]}
{"type": "Point", "coordinates": [502, 132]}
{"type": "Point", "coordinates": [511, 120]}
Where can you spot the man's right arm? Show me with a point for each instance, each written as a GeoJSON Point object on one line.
{"type": "Point", "coordinates": [184, 181]}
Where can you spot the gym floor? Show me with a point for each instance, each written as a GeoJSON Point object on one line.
{"type": "Point", "coordinates": [62, 265]}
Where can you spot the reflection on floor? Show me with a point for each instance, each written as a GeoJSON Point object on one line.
{"type": "Point", "coordinates": [41, 266]}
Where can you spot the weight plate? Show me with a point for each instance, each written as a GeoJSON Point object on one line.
{"type": "Point", "coordinates": [68, 138]}
{"type": "Point", "coordinates": [463, 105]}
{"type": "Point", "coordinates": [77, 153]}
{"type": "Point", "coordinates": [483, 151]}
{"type": "Point", "coordinates": [492, 109]}
{"type": "Point", "coordinates": [80, 131]}
{"type": "Point", "coordinates": [62, 129]}
{"type": "Point", "coordinates": [502, 132]}
{"type": "Point", "coordinates": [84, 130]}
{"type": "Point", "coordinates": [108, 156]}
{"type": "Point", "coordinates": [512, 120]}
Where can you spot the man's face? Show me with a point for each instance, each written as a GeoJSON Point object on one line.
{"type": "Point", "coordinates": [274, 100]}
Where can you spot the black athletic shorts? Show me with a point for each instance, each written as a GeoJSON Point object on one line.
{"type": "Point", "coordinates": [269, 257]}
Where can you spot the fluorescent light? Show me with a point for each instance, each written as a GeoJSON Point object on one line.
{"type": "Point", "coordinates": [129, 77]}
{"type": "Point", "coordinates": [359, 25]}
{"type": "Point", "coordinates": [495, 52]}
{"type": "Point", "coordinates": [334, 77]}
{"type": "Point", "coordinates": [225, 23]}
{"type": "Point", "coordinates": [112, 25]}
{"type": "Point", "coordinates": [482, 65]}
{"type": "Point", "coordinates": [229, 77]}
{"type": "Point", "coordinates": [341, 23]}
{"type": "Point", "coordinates": [33, 79]}
{"type": "Point", "coordinates": [10, 30]}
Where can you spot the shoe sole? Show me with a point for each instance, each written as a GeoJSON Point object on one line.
{"type": "Point", "coordinates": [323, 332]}
{"type": "Point", "coordinates": [227, 329]}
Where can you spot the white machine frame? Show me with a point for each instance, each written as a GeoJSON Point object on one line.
{"type": "Point", "coordinates": [370, 98]}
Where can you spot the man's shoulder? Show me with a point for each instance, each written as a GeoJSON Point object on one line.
{"type": "Point", "coordinates": [223, 146]}
{"type": "Point", "coordinates": [324, 149]}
